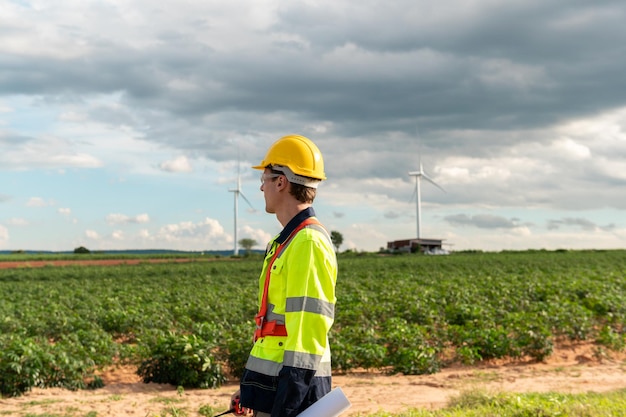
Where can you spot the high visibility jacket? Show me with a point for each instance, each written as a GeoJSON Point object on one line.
{"type": "Point", "coordinates": [287, 373]}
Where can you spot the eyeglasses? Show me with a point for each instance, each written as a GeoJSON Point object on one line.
{"type": "Point", "coordinates": [265, 176]}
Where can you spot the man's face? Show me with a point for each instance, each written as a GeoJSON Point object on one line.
{"type": "Point", "coordinates": [270, 189]}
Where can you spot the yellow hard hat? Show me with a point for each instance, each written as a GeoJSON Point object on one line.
{"type": "Point", "coordinates": [297, 153]}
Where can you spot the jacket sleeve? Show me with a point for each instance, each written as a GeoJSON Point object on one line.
{"type": "Point", "coordinates": [291, 393]}
{"type": "Point", "coordinates": [309, 315]}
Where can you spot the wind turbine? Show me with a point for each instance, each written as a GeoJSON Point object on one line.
{"type": "Point", "coordinates": [237, 192]}
{"type": "Point", "coordinates": [418, 177]}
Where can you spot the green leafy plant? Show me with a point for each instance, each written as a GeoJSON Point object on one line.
{"type": "Point", "coordinates": [191, 323]}
{"type": "Point", "coordinates": [409, 351]}
{"type": "Point", "coordinates": [611, 338]}
{"type": "Point", "coordinates": [206, 410]}
{"type": "Point", "coordinates": [28, 363]}
{"type": "Point", "coordinates": [181, 360]}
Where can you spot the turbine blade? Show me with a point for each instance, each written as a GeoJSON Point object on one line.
{"type": "Point", "coordinates": [430, 180]}
{"type": "Point", "coordinates": [244, 197]}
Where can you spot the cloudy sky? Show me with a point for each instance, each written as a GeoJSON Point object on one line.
{"type": "Point", "coordinates": [123, 122]}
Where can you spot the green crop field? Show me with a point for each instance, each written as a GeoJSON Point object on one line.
{"type": "Point", "coordinates": [190, 324]}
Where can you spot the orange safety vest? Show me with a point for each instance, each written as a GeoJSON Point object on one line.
{"type": "Point", "coordinates": [271, 328]}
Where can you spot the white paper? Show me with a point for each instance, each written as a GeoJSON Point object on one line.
{"type": "Point", "coordinates": [330, 405]}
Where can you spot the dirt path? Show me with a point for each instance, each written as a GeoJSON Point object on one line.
{"type": "Point", "coordinates": [571, 370]}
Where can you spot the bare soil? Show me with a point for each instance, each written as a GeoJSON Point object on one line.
{"type": "Point", "coordinates": [573, 369]}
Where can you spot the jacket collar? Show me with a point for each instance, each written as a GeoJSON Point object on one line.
{"type": "Point", "coordinates": [293, 223]}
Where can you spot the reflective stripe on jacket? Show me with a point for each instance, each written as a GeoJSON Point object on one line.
{"type": "Point", "coordinates": [301, 296]}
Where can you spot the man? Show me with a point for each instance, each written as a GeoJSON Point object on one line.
{"type": "Point", "coordinates": [289, 366]}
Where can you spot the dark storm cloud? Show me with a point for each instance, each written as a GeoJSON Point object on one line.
{"type": "Point", "coordinates": [533, 28]}
{"type": "Point", "coordinates": [558, 39]}
{"type": "Point", "coordinates": [501, 66]}
{"type": "Point", "coordinates": [465, 75]}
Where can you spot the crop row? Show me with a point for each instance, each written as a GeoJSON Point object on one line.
{"type": "Point", "coordinates": [190, 324]}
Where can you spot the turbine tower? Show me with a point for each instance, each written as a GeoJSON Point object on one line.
{"type": "Point", "coordinates": [418, 177]}
{"type": "Point", "coordinates": [237, 192]}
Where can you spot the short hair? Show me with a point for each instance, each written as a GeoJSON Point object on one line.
{"type": "Point", "coordinates": [302, 193]}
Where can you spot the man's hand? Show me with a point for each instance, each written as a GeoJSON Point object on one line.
{"type": "Point", "coordinates": [234, 403]}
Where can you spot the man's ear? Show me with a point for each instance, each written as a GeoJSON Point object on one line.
{"type": "Point", "coordinates": [282, 182]}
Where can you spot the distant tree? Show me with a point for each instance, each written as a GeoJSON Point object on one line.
{"type": "Point", "coordinates": [247, 244]}
{"type": "Point", "coordinates": [81, 249]}
{"type": "Point", "coordinates": [336, 238]}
